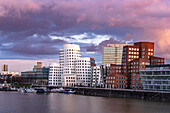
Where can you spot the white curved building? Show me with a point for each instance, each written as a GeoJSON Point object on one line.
{"type": "Point", "coordinates": [73, 69]}
{"type": "Point", "coordinates": [55, 72]}
{"type": "Point", "coordinates": [68, 55]}
{"type": "Point", "coordinates": [83, 71]}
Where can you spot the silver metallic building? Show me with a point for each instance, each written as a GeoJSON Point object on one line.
{"type": "Point", "coordinates": [156, 77]}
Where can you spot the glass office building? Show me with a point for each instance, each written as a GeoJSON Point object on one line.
{"type": "Point", "coordinates": [112, 54]}
{"type": "Point", "coordinates": [156, 77]}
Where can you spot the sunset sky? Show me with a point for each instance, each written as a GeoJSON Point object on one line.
{"type": "Point", "coordinates": [35, 30]}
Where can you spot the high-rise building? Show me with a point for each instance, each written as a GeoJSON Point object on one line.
{"type": "Point", "coordinates": [4, 67]}
{"type": "Point", "coordinates": [68, 55]}
{"type": "Point", "coordinates": [73, 69]}
{"type": "Point", "coordinates": [135, 58]}
{"type": "Point", "coordinates": [146, 49]}
{"type": "Point", "coordinates": [130, 53]}
{"type": "Point", "coordinates": [112, 54]}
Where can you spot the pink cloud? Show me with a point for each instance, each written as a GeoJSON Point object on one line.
{"type": "Point", "coordinates": [161, 37]}
{"type": "Point", "coordinates": [152, 17]}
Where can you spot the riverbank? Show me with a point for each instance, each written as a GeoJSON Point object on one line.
{"type": "Point", "coordinates": [161, 96]}
{"type": "Point", "coordinates": [125, 93]}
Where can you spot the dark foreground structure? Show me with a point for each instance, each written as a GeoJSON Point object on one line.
{"type": "Point", "coordinates": [163, 96]}
{"type": "Point", "coordinates": [133, 94]}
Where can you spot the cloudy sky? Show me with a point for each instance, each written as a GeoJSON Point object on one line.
{"type": "Point", "coordinates": [35, 30]}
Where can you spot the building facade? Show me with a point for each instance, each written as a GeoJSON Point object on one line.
{"type": "Point", "coordinates": [39, 65]}
{"type": "Point", "coordinates": [4, 68]}
{"type": "Point", "coordinates": [135, 58]}
{"type": "Point", "coordinates": [115, 69]}
{"type": "Point", "coordinates": [83, 71]}
{"type": "Point", "coordinates": [96, 78]}
{"type": "Point", "coordinates": [55, 73]}
{"type": "Point", "coordinates": [74, 69]}
{"type": "Point", "coordinates": [112, 54]}
{"type": "Point", "coordinates": [116, 81]}
{"type": "Point", "coordinates": [38, 76]}
{"type": "Point", "coordinates": [105, 71]}
{"type": "Point", "coordinates": [156, 60]}
{"type": "Point", "coordinates": [156, 77]}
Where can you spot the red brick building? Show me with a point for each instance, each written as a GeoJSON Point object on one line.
{"type": "Point", "coordinates": [134, 58]}
{"type": "Point", "coordinates": [136, 65]}
{"type": "Point", "coordinates": [156, 60]}
{"type": "Point", "coordinates": [116, 81]}
{"type": "Point", "coordinates": [114, 68]}
{"type": "Point", "coordinates": [130, 53]}
{"type": "Point", "coordinates": [146, 49]}
{"type": "Point", "coordinates": [92, 62]}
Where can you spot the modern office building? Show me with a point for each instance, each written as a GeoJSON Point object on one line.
{"type": "Point", "coordinates": [4, 68]}
{"type": "Point", "coordinates": [55, 73]}
{"type": "Point", "coordinates": [38, 76]}
{"type": "Point", "coordinates": [156, 77]}
{"type": "Point", "coordinates": [112, 54]}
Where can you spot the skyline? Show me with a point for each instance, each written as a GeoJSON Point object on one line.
{"type": "Point", "coordinates": [33, 30]}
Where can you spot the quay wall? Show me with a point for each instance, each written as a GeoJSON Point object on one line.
{"type": "Point", "coordinates": [163, 96]}
{"type": "Point", "coordinates": [132, 94]}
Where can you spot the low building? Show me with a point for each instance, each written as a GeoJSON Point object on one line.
{"type": "Point", "coordinates": [156, 77]}
{"type": "Point", "coordinates": [38, 76]}
{"type": "Point", "coordinates": [116, 81]}
{"type": "Point", "coordinates": [70, 80]}
{"type": "Point", "coordinates": [55, 72]}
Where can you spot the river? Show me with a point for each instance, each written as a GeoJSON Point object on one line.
{"type": "Point", "coordinates": [15, 102]}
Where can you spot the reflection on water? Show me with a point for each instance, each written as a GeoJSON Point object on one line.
{"type": "Point", "coordinates": [14, 102]}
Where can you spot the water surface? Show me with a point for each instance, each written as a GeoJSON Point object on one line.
{"type": "Point", "coordinates": [15, 102]}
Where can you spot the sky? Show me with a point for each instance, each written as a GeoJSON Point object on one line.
{"type": "Point", "coordinates": [35, 30]}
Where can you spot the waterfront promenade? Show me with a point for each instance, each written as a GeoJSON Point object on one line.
{"type": "Point", "coordinates": [122, 93]}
